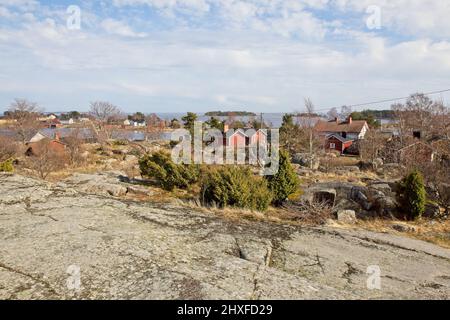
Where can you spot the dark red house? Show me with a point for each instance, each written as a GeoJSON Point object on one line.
{"type": "Point", "coordinates": [335, 142]}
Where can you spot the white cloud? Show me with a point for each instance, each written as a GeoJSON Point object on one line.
{"type": "Point", "coordinates": [411, 17]}
{"type": "Point", "coordinates": [267, 56]}
{"type": "Point", "coordinates": [5, 13]}
{"type": "Point", "coordinates": [23, 5]}
{"type": "Point", "coordinates": [120, 28]}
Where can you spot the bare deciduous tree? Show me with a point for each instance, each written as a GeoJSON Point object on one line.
{"type": "Point", "coordinates": [104, 112]}
{"type": "Point", "coordinates": [312, 140]}
{"type": "Point", "coordinates": [346, 111]}
{"type": "Point", "coordinates": [370, 146]}
{"type": "Point", "coordinates": [25, 115]}
{"type": "Point", "coordinates": [74, 144]}
{"type": "Point", "coordinates": [421, 114]}
{"type": "Point", "coordinates": [45, 160]}
{"type": "Point", "coordinates": [333, 114]}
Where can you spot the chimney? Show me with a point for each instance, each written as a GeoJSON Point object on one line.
{"type": "Point", "coordinates": [350, 120]}
{"type": "Point", "coordinates": [337, 120]}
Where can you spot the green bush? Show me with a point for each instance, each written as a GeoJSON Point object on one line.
{"type": "Point", "coordinates": [235, 187]}
{"type": "Point", "coordinates": [169, 175]}
{"type": "Point", "coordinates": [285, 182]}
{"type": "Point", "coordinates": [7, 166]}
{"type": "Point", "coordinates": [412, 195]}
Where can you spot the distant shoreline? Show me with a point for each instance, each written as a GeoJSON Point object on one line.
{"type": "Point", "coordinates": [230, 113]}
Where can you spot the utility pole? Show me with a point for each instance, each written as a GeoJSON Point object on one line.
{"type": "Point", "coordinates": [261, 122]}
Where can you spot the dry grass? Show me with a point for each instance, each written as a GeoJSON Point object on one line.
{"type": "Point", "coordinates": [343, 161]}
{"type": "Point", "coordinates": [434, 231]}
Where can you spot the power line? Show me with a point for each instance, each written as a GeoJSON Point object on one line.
{"type": "Point", "coordinates": [384, 101]}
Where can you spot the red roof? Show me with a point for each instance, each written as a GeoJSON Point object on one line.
{"type": "Point", "coordinates": [338, 127]}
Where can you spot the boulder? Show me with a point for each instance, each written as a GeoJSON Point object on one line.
{"type": "Point", "coordinates": [138, 190]}
{"type": "Point", "coordinates": [305, 160]}
{"type": "Point", "coordinates": [346, 216]}
{"type": "Point", "coordinates": [383, 187]}
{"type": "Point", "coordinates": [325, 196]}
{"type": "Point", "coordinates": [432, 211]}
{"type": "Point", "coordinates": [400, 227]}
{"type": "Point", "coordinates": [114, 189]}
{"type": "Point", "coordinates": [365, 165]}
{"type": "Point", "coordinates": [386, 206]}
{"type": "Point", "coordinates": [345, 204]}
{"type": "Point", "coordinates": [359, 195]}
{"type": "Point", "coordinates": [377, 163]}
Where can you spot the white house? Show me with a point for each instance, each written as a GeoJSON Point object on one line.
{"type": "Point", "coordinates": [349, 129]}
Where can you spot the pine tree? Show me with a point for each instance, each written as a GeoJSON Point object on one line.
{"type": "Point", "coordinates": [413, 195]}
{"type": "Point", "coordinates": [285, 182]}
{"type": "Point", "coordinates": [189, 121]}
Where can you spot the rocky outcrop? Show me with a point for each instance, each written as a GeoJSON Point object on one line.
{"type": "Point", "coordinates": [378, 198]}
{"type": "Point", "coordinates": [107, 183]}
{"type": "Point", "coordinates": [54, 235]}
{"type": "Point", "coordinates": [306, 160]}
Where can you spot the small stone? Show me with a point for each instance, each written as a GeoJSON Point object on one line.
{"type": "Point", "coordinates": [404, 228]}
{"type": "Point", "coordinates": [346, 216]}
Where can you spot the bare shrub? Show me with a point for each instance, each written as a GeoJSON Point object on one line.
{"type": "Point", "coordinates": [8, 148]}
{"type": "Point", "coordinates": [45, 159]}
{"type": "Point", "coordinates": [74, 145]}
{"type": "Point", "coordinates": [25, 115]}
{"type": "Point", "coordinates": [310, 212]}
{"type": "Point", "coordinates": [370, 147]}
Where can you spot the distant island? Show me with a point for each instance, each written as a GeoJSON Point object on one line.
{"type": "Point", "coordinates": [230, 113]}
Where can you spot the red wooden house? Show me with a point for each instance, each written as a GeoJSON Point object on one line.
{"type": "Point", "coordinates": [243, 138]}
{"type": "Point", "coordinates": [336, 142]}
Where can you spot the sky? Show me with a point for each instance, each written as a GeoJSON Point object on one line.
{"type": "Point", "coordinates": [202, 55]}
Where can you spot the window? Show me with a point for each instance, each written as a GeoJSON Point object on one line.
{"type": "Point", "coordinates": [332, 145]}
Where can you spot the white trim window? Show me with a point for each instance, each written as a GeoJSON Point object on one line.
{"type": "Point", "coordinates": [332, 145]}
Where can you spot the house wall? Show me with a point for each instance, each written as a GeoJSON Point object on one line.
{"type": "Point", "coordinates": [363, 132]}
{"type": "Point", "coordinates": [53, 145]}
{"type": "Point", "coordinates": [337, 145]}
{"type": "Point", "coordinates": [258, 137]}
{"type": "Point", "coordinates": [237, 140]}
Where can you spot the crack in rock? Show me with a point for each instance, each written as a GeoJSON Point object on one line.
{"type": "Point", "coordinates": [29, 276]}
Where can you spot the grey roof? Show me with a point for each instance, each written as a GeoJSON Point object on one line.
{"type": "Point", "coordinates": [339, 137]}
{"type": "Point", "coordinates": [84, 133]}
